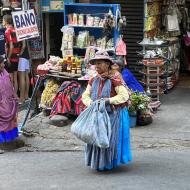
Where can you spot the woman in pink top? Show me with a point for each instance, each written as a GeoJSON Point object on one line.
{"type": "Point", "coordinates": [8, 107]}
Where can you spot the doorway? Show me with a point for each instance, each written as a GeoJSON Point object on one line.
{"type": "Point", "coordinates": [52, 24]}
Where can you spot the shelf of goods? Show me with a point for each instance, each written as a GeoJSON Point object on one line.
{"type": "Point", "coordinates": [88, 23]}
{"type": "Point", "coordinates": [160, 51]}
{"type": "Point", "coordinates": [170, 51]}
{"type": "Point", "coordinates": [152, 71]}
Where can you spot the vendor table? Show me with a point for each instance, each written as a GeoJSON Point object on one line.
{"type": "Point", "coordinates": [41, 78]}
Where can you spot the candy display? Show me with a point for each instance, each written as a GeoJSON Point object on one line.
{"type": "Point", "coordinates": [69, 64]}
{"type": "Point", "coordinates": [72, 64]}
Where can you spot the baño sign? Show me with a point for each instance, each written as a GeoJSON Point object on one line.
{"type": "Point", "coordinates": [25, 24]}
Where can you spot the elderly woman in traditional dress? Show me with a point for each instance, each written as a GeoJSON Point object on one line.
{"type": "Point", "coordinates": [8, 107]}
{"type": "Point", "coordinates": [109, 85]}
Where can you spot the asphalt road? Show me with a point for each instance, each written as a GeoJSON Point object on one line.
{"type": "Point", "coordinates": [149, 170]}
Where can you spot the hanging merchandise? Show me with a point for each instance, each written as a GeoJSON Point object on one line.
{"type": "Point", "coordinates": [121, 49]}
{"type": "Point", "coordinates": [67, 41]}
{"type": "Point", "coordinates": [120, 20]}
{"type": "Point", "coordinates": [172, 23]}
{"type": "Point", "coordinates": [83, 39]}
{"type": "Point", "coordinates": [172, 19]}
{"type": "Point", "coordinates": [49, 93]}
{"type": "Point", "coordinates": [109, 25]}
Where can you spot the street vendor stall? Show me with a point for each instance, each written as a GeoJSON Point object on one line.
{"type": "Point", "coordinates": [66, 78]}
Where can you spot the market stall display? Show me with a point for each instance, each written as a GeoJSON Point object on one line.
{"type": "Point", "coordinates": [68, 66]}
{"type": "Point", "coordinates": [168, 52]}
{"type": "Point", "coordinates": [165, 22]}
{"type": "Point", "coordinates": [92, 25]}
{"type": "Point", "coordinates": [86, 26]}
{"type": "Point", "coordinates": [49, 93]}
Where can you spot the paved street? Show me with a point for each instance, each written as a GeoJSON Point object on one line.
{"type": "Point", "coordinates": [154, 170]}
{"type": "Point", "coordinates": [161, 155]}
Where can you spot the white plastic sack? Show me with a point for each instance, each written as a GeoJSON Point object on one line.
{"type": "Point", "coordinates": [93, 125]}
{"type": "Point", "coordinates": [172, 23]}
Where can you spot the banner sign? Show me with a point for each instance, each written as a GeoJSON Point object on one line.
{"type": "Point", "coordinates": [25, 24]}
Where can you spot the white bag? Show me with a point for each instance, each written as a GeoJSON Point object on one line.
{"type": "Point", "coordinates": [172, 23]}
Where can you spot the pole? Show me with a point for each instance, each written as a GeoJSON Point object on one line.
{"type": "Point", "coordinates": [34, 88]}
{"type": "Point", "coordinates": [30, 103]}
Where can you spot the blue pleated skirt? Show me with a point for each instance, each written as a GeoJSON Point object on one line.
{"type": "Point", "coordinates": [8, 135]}
{"type": "Point", "coordinates": [119, 151]}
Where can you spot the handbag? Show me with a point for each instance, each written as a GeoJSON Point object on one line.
{"type": "Point", "coordinates": [93, 125]}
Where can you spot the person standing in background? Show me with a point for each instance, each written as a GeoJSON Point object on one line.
{"type": "Point", "coordinates": [2, 41]}
{"type": "Point", "coordinates": [13, 48]}
{"type": "Point", "coordinates": [23, 71]}
{"type": "Point", "coordinates": [130, 80]}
